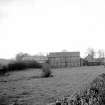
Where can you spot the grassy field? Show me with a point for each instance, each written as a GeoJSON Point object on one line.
{"type": "Point", "coordinates": [27, 86]}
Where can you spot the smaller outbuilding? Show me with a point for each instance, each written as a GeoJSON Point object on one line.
{"type": "Point", "coordinates": [90, 61]}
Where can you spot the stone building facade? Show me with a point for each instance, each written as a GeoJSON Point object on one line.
{"type": "Point", "coordinates": [64, 59]}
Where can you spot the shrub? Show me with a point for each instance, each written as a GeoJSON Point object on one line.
{"type": "Point", "coordinates": [46, 70]}
{"type": "Point", "coordinates": [18, 65]}
{"type": "Point", "coordinates": [4, 100]}
{"type": "Point", "coordinates": [3, 69]}
{"type": "Point", "coordinates": [32, 64]}
{"type": "Point", "coordinates": [21, 65]}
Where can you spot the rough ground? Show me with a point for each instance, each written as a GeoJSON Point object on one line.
{"type": "Point", "coordinates": [27, 87]}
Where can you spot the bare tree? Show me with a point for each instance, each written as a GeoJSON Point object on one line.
{"type": "Point", "coordinates": [101, 53]}
{"type": "Point", "coordinates": [91, 52]}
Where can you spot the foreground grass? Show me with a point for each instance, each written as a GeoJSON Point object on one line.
{"type": "Point", "coordinates": [27, 87]}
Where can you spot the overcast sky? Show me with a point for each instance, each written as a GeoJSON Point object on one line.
{"type": "Point", "coordinates": [35, 26]}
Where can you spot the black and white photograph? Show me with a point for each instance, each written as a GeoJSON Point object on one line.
{"type": "Point", "coordinates": [52, 52]}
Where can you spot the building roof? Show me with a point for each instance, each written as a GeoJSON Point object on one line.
{"type": "Point", "coordinates": [54, 54]}
{"type": "Point", "coordinates": [39, 59]}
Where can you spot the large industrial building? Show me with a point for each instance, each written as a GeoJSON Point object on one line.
{"type": "Point", "coordinates": [64, 59]}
